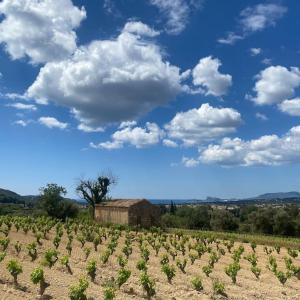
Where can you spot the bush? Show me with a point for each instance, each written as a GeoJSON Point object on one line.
{"type": "Point", "coordinates": [197, 283]}
{"type": "Point", "coordinates": [50, 258]}
{"type": "Point", "coordinates": [123, 275]}
{"type": "Point", "coordinates": [109, 293]}
{"type": "Point", "coordinates": [14, 268]}
{"type": "Point", "coordinates": [232, 271]}
{"type": "Point", "coordinates": [256, 271]}
{"type": "Point", "coordinates": [37, 276]}
{"type": "Point", "coordinates": [169, 271]}
{"type": "Point", "coordinates": [148, 284]}
{"type": "Point", "coordinates": [207, 270]}
{"type": "Point", "coordinates": [77, 291]}
{"type": "Point", "coordinates": [91, 269]}
{"type": "Point", "coordinates": [218, 287]}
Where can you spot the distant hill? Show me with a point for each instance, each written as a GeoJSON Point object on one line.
{"type": "Point", "coordinates": [280, 195]}
{"type": "Point", "coordinates": [7, 196]}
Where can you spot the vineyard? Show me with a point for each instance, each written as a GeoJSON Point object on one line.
{"type": "Point", "coordinates": [47, 259]}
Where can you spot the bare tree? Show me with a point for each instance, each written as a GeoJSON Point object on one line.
{"type": "Point", "coordinates": [94, 191]}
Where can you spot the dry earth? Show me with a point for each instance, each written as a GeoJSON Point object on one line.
{"type": "Point", "coordinates": [248, 287]}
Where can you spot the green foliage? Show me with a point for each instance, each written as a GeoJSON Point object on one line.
{"type": "Point", "coordinates": [50, 257]}
{"type": "Point", "coordinates": [218, 287]}
{"type": "Point", "coordinates": [2, 256]}
{"type": "Point", "coordinates": [282, 277]}
{"type": "Point", "coordinates": [181, 264]}
{"type": "Point", "coordinates": [77, 291]}
{"type": "Point", "coordinates": [91, 269]}
{"type": "Point", "coordinates": [123, 275]}
{"type": "Point", "coordinates": [169, 271]}
{"type": "Point", "coordinates": [197, 283]}
{"type": "Point", "coordinates": [122, 261]}
{"type": "Point", "coordinates": [32, 251]}
{"type": "Point", "coordinates": [292, 253]}
{"type": "Point", "coordinates": [37, 277]}
{"type": "Point", "coordinates": [18, 247]}
{"type": "Point", "coordinates": [207, 270]}
{"type": "Point", "coordinates": [4, 242]}
{"type": "Point", "coordinates": [14, 268]}
{"type": "Point", "coordinates": [141, 265]}
{"type": "Point", "coordinates": [232, 270]}
{"type": "Point", "coordinates": [87, 252]}
{"type": "Point", "coordinates": [109, 292]}
{"type": "Point", "coordinates": [148, 284]}
{"type": "Point", "coordinates": [256, 271]}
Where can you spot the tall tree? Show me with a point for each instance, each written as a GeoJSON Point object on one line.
{"type": "Point", "coordinates": [95, 191]}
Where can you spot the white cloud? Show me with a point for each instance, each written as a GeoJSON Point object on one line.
{"type": "Point", "coordinates": [89, 129]}
{"type": "Point", "coordinates": [255, 51]}
{"type": "Point", "coordinates": [177, 13]}
{"type": "Point", "coordinates": [189, 162]}
{"type": "Point", "coordinates": [206, 123]}
{"type": "Point", "coordinates": [291, 107]}
{"type": "Point", "coordinates": [206, 75]}
{"type": "Point", "coordinates": [127, 124]}
{"type": "Point", "coordinates": [140, 29]}
{"type": "Point", "coordinates": [169, 143]}
{"type": "Point", "coordinates": [275, 84]}
{"type": "Point", "coordinates": [23, 106]}
{"type": "Point", "coordinates": [135, 136]}
{"type": "Point", "coordinates": [109, 81]}
{"type": "Point", "coordinates": [41, 30]}
{"type": "Point", "coordinates": [267, 61]}
{"type": "Point", "coordinates": [266, 150]}
{"type": "Point", "coordinates": [261, 116]}
{"type": "Point", "coordinates": [254, 19]}
{"type": "Point", "coordinates": [22, 123]}
{"type": "Point", "coordinates": [51, 122]}
{"type": "Point", "coordinates": [230, 39]}
{"type": "Point", "coordinates": [261, 16]}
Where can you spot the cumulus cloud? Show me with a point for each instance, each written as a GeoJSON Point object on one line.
{"type": "Point", "coordinates": [139, 137]}
{"type": "Point", "coordinates": [109, 81]}
{"type": "Point", "coordinates": [140, 29]}
{"type": "Point", "coordinates": [176, 12]}
{"type": "Point", "coordinates": [51, 122]}
{"type": "Point", "coordinates": [42, 30]}
{"type": "Point", "coordinates": [291, 107]}
{"type": "Point", "coordinates": [254, 19]}
{"type": "Point", "coordinates": [206, 75]}
{"type": "Point", "coordinates": [189, 162]}
{"type": "Point", "coordinates": [206, 123]}
{"type": "Point", "coordinates": [89, 129]}
{"type": "Point", "coordinates": [255, 51]}
{"type": "Point", "coordinates": [169, 143]}
{"type": "Point", "coordinates": [275, 84]}
{"type": "Point", "coordinates": [266, 150]}
{"type": "Point", "coordinates": [22, 106]}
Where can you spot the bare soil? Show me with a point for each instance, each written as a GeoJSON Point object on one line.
{"type": "Point", "coordinates": [267, 287]}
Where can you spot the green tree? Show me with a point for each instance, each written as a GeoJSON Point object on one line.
{"type": "Point", "coordinates": [95, 191]}
{"type": "Point", "coordinates": [52, 201]}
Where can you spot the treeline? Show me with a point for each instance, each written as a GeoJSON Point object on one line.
{"type": "Point", "coordinates": [278, 220]}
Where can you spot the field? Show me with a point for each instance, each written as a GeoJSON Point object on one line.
{"type": "Point", "coordinates": [68, 252]}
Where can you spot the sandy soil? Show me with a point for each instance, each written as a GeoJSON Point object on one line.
{"type": "Point", "coordinates": [247, 287]}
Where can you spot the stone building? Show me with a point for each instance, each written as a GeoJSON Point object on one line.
{"type": "Point", "coordinates": [129, 212]}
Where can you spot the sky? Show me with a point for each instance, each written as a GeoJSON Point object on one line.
{"type": "Point", "coordinates": [178, 99]}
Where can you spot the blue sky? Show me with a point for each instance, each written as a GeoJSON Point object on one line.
{"type": "Point", "coordinates": [178, 99]}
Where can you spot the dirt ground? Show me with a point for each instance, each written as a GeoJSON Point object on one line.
{"type": "Point", "coordinates": [247, 287]}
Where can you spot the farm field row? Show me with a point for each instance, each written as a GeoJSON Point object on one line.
{"type": "Point", "coordinates": [77, 261]}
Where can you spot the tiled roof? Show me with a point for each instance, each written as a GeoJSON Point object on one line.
{"type": "Point", "coordinates": [121, 202]}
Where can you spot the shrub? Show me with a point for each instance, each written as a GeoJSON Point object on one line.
{"type": "Point", "coordinates": [127, 250]}
{"type": "Point", "coordinates": [164, 259]}
{"type": "Point", "coordinates": [96, 242]}
{"type": "Point", "coordinates": [14, 268]}
{"type": "Point", "coordinates": [122, 261]}
{"type": "Point", "coordinates": [197, 283]}
{"type": "Point", "coordinates": [256, 271]}
{"type": "Point", "coordinates": [169, 271]}
{"type": "Point", "coordinates": [2, 256]}
{"type": "Point", "coordinates": [252, 258]}
{"type": "Point", "coordinates": [148, 284]}
{"type": "Point", "coordinates": [32, 251]}
{"type": "Point", "coordinates": [232, 271]}
{"type": "Point", "coordinates": [4, 243]}
{"type": "Point", "coordinates": [37, 277]}
{"type": "Point", "coordinates": [91, 269]}
{"type": "Point", "coordinates": [87, 252]}
{"type": "Point", "coordinates": [292, 253]}
{"type": "Point", "coordinates": [193, 256]}
{"type": "Point", "coordinates": [18, 247]}
{"type": "Point", "coordinates": [77, 291]}
{"type": "Point", "coordinates": [218, 287]}
{"type": "Point", "coordinates": [64, 260]}
{"type": "Point", "coordinates": [253, 246]}
{"type": "Point", "coordinates": [282, 277]}
{"type": "Point", "coordinates": [277, 248]}
{"type": "Point", "coordinates": [181, 264]}
{"type": "Point", "coordinates": [123, 275]}
{"type": "Point", "coordinates": [207, 270]}
{"type": "Point", "coordinates": [105, 256]}
{"type": "Point", "coordinates": [141, 265]}
{"type": "Point", "coordinates": [109, 293]}
{"type": "Point", "coordinates": [51, 257]}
